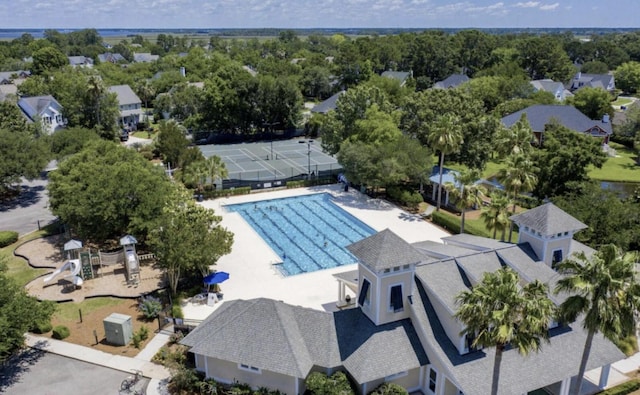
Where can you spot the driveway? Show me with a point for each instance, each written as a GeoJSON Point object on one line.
{"type": "Point", "coordinates": [39, 372]}
{"type": "Point", "coordinates": [31, 207]}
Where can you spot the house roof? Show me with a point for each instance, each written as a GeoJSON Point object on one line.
{"type": "Point", "coordinates": [125, 94]}
{"type": "Point", "coordinates": [401, 76]}
{"type": "Point", "coordinates": [327, 105]}
{"type": "Point", "coordinates": [475, 266]}
{"type": "Point", "coordinates": [7, 77]}
{"type": "Point", "coordinates": [548, 219]}
{"type": "Point", "coordinates": [144, 57]}
{"type": "Point", "coordinates": [474, 242]}
{"type": "Point", "coordinates": [440, 251]}
{"type": "Point", "coordinates": [541, 115]}
{"type": "Point", "coordinates": [444, 279]}
{"type": "Point", "coordinates": [469, 371]}
{"type": "Point", "coordinates": [451, 81]}
{"type": "Point", "coordinates": [384, 250]}
{"type": "Point", "coordinates": [111, 57]}
{"type": "Point", "coordinates": [34, 106]}
{"type": "Point", "coordinates": [79, 60]}
{"type": "Point", "coordinates": [581, 80]}
{"type": "Point", "coordinates": [290, 340]}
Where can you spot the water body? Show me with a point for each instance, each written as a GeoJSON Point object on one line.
{"type": "Point", "coordinates": [622, 189]}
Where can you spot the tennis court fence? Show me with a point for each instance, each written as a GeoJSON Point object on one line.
{"type": "Point", "coordinates": [261, 179]}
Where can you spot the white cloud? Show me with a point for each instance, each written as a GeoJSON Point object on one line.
{"type": "Point", "coordinates": [528, 4]}
{"type": "Point", "coordinates": [549, 7]}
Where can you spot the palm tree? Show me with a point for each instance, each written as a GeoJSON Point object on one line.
{"type": "Point", "coordinates": [496, 214]}
{"type": "Point", "coordinates": [517, 139]}
{"type": "Point", "coordinates": [96, 89]}
{"type": "Point", "coordinates": [445, 137]}
{"type": "Point", "coordinates": [216, 169]}
{"type": "Point", "coordinates": [466, 192]}
{"type": "Point", "coordinates": [196, 173]}
{"type": "Point", "coordinates": [518, 176]}
{"type": "Point", "coordinates": [604, 289]}
{"type": "Point", "coordinates": [499, 311]}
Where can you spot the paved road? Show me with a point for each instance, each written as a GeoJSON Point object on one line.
{"type": "Point", "coordinates": [39, 372]}
{"type": "Point", "coordinates": [23, 213]}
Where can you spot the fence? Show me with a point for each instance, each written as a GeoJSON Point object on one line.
{"type": "Point", "coordinates": [267, 179]}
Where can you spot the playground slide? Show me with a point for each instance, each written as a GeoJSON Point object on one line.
{"type": "Point", "coordinates": [74, 266]}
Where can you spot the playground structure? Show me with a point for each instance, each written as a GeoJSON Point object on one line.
{"type": "Point", "coordinates": [85, 265]}
{"type": "Point", "coordinates": [74, 266]}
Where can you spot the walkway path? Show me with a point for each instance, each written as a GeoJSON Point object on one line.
{"type": "Point", "coordinates": [158, 374]}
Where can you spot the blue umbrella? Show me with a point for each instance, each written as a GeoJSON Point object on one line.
{"type": "Point", "coordinates": [216, 278]}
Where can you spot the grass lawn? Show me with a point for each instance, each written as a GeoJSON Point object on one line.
{"type": "Point", "coordinates": [69, 311]}
{"type": "Point", "coordinates": [622, 101]}
{"type": "Point", "coordinates": [622, 168]}
{"type": "Point", "coordinates": [18, 268]}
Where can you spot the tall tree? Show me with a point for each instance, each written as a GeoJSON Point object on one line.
{"type": "Point", "coordinates": [48, 59]}
{"type": "Point", "coordinates": [216, 169]}
{"type": "Point", "coordinates": [603, 289]}
{"type": "Point", "coordinates": [499, 311]}
{"type": "Point", "coordinates": [445, 137]}
{"type": "Point", "coordinates": [592, 102]}
{"type": "Point", "coordinates": [466, 192]}
{"type": "Point", "coordinates": [515, 140]}
{"type": "Point", "coordinates": [518, 176]}
{"type": "Point", "coordinates": [496, 214]}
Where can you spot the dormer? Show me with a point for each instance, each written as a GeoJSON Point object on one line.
{"type": "Point", "coordinates": [549, 230]}
{"type": "Point", "coordinates": [386, 267]}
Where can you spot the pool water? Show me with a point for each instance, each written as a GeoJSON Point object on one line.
{"type": "Point", "coordinates": [307, 232]}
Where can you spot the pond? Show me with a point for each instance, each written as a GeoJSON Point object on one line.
{"type": "Point", "coordinates": [622, 189]}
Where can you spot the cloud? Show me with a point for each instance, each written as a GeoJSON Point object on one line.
{"type": "Point", "coordinates": [528, 4]}
{"type": "Point", "coordinates": [549, 7]}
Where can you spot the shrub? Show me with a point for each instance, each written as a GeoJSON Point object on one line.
{"type": "Point", "coordinates": [61, 332]}
{"type": "Point", "coordinates": [8, 237]}
{"type": "Point", "coordinates": [141, 335]}
{"type": "Point", "coordinates": [623, 389]}
{"type": "Point", "coordinates": [176, 311]}
{"type": "Point", "coordinates": [171, 357]}
{"type": "Point", "coordinates": [319, 384]}
{"type": "Point", "coordinates": [184, 380]}
{"type": "Point", "coordinates": [150, 307]}
{"type": "Point", "coordinates": [389, 389]}
{"type": "Point", "coordinates": [405, 197]}
{"type": "Point", "coordinates": [41, 327]}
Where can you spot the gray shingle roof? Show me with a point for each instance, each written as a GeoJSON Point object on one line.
{"type": "Point", "coordinates": [548, 219]}
{"type": "Point", "coordinates": [443, 279]}
{"type": "Point", "coordinates": [474, 242]}
{"type": "Point", "coordinates": [34, 106]}
{"type": "Point", "coordinates": [451, 81]}
{"type": "Point", "coordinates": [111, 57]}
{"type": "Point", "coordinates": [441, 251]}
{"type": "Point", "coordinates": [518, 374]}
{"type": "Point", "coordinates": [401, 76]}
{"type": "Point", "coordinates": [290, 340]}
{"type": "Point", "coordinates": [540, 115]}
{"type": "Point", "coordinates": [476, 265]}
{"type": "Point", "coordinates": [384, 250]}
{"type": "Point", "coordinates": [145, 57]}
{"type": "Point", "coordinates": [327, 105]}
{"type": "Point", "coordinates": [125, 94]}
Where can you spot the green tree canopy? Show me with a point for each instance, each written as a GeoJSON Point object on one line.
{"type": "Point", "coordinates": [628, 77]}
{"type": "Point", "coordinates": [188, 239]}
{"type": "Point", "coordinates": [106, 191]}
{"type": "Point", "coordinates": [592, 102]}
{"type": "Point", "coordinates": [48, 59]}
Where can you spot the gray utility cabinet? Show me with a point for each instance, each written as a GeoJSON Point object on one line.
{"type": "Point", "coordinates": [118, 329]}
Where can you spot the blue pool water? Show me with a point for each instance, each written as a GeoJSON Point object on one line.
{"type": "Point", "coordinates": [308, 232]}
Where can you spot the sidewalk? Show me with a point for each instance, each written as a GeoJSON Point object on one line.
{"type": "Point", "coordinates": [159, 375]}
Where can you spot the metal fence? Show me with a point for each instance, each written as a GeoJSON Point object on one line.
{"type": "Point", "coordinates": [267, 179]}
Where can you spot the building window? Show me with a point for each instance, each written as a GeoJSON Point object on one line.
{"type": "Point", "coordinates": [557, 258]}
{"type": "Point", "coordinates": [433, 377]}
{"type": "Point", "coordinates": [364, 299]}
{"type": "Point", "coordinates": [468, 343]}
{"type": "Point", "coordinates": [396, 303]}
{"type": "Point", "coordinates": [396, 376]}
{"type": "Point", "coordinates": [249, 368]}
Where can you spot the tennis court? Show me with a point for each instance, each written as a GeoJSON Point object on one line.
{"type": "Point", "coordinates": [273, 162]}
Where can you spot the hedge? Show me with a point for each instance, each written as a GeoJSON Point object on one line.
{"type": "Point", "coordinates": [224, 192]}
{"type": "Point", "coordinates": [623, 389]}
{"type": "Point", "coordinates": [8, 237]}
{"type": "Point", "coordinates": [61, 332]}
{"type": "Point", "coordinates": [452, 224]}
{"type": "Point", "coordinates": [41, 327]}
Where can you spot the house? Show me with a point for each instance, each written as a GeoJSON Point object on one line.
{"type": "Point", "coordinates": [402, 328]}
{"type": "Point", "coordinates": [80, 61]}
{"type": "Point", "coordinates": [557, 89]}
{"type": "Point", "coordinates": [328, 105]}
{"type": "Point", "coordinates": [111, 58]}
{"type": "Point", "coordinates": [603, 81]}
{"type": "Point", "coordinates": [540, 115]}
{"type": "Point", "coordinates": [452, 81]}
{"type": "Point", "coordinates": [144, 57]}
{"type": "Point", "coordinates": [129, 104]}
{"type": "Point", "coordinates": [43, 109]}
{"type": "Point", "coordinates": [400, 76]}
{"type": "Point", "coordinates": [13, 77]}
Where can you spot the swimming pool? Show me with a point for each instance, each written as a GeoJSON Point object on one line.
{"type": "Point", "coordinates": [307, 232]}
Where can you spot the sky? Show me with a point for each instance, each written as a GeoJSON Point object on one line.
{"type": "Point", "coordinates": [66, 14]}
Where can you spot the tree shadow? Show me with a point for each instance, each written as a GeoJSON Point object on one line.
{"type": "Point", "coordinates": [28, 196]}
{"type": "Point", "coordinates": [12, 371]}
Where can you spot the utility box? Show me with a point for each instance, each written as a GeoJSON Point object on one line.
{"type": "Point", "coordinates": [118, 329]}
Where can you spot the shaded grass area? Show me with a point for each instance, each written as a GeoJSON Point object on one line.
{"type": "Point", "coordinates": [451, 222]}
{"type": "Point", "coordinates": [622, 168]}
{"type": "Point", "coordinates": [17, 268]}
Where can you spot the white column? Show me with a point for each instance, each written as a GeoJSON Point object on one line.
{"type": "Point", "coordinates": [604, 376]}
{"type": "Point", "coordinates": [340, 290]}
{"type": "Point", "coordinates": [564, 387]}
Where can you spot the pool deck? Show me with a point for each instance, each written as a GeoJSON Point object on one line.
{"type": "Point", "coordinates": [250, 263]}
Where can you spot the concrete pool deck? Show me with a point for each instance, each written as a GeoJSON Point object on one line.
{"type": "Point", "coordinates": [250, 263]}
